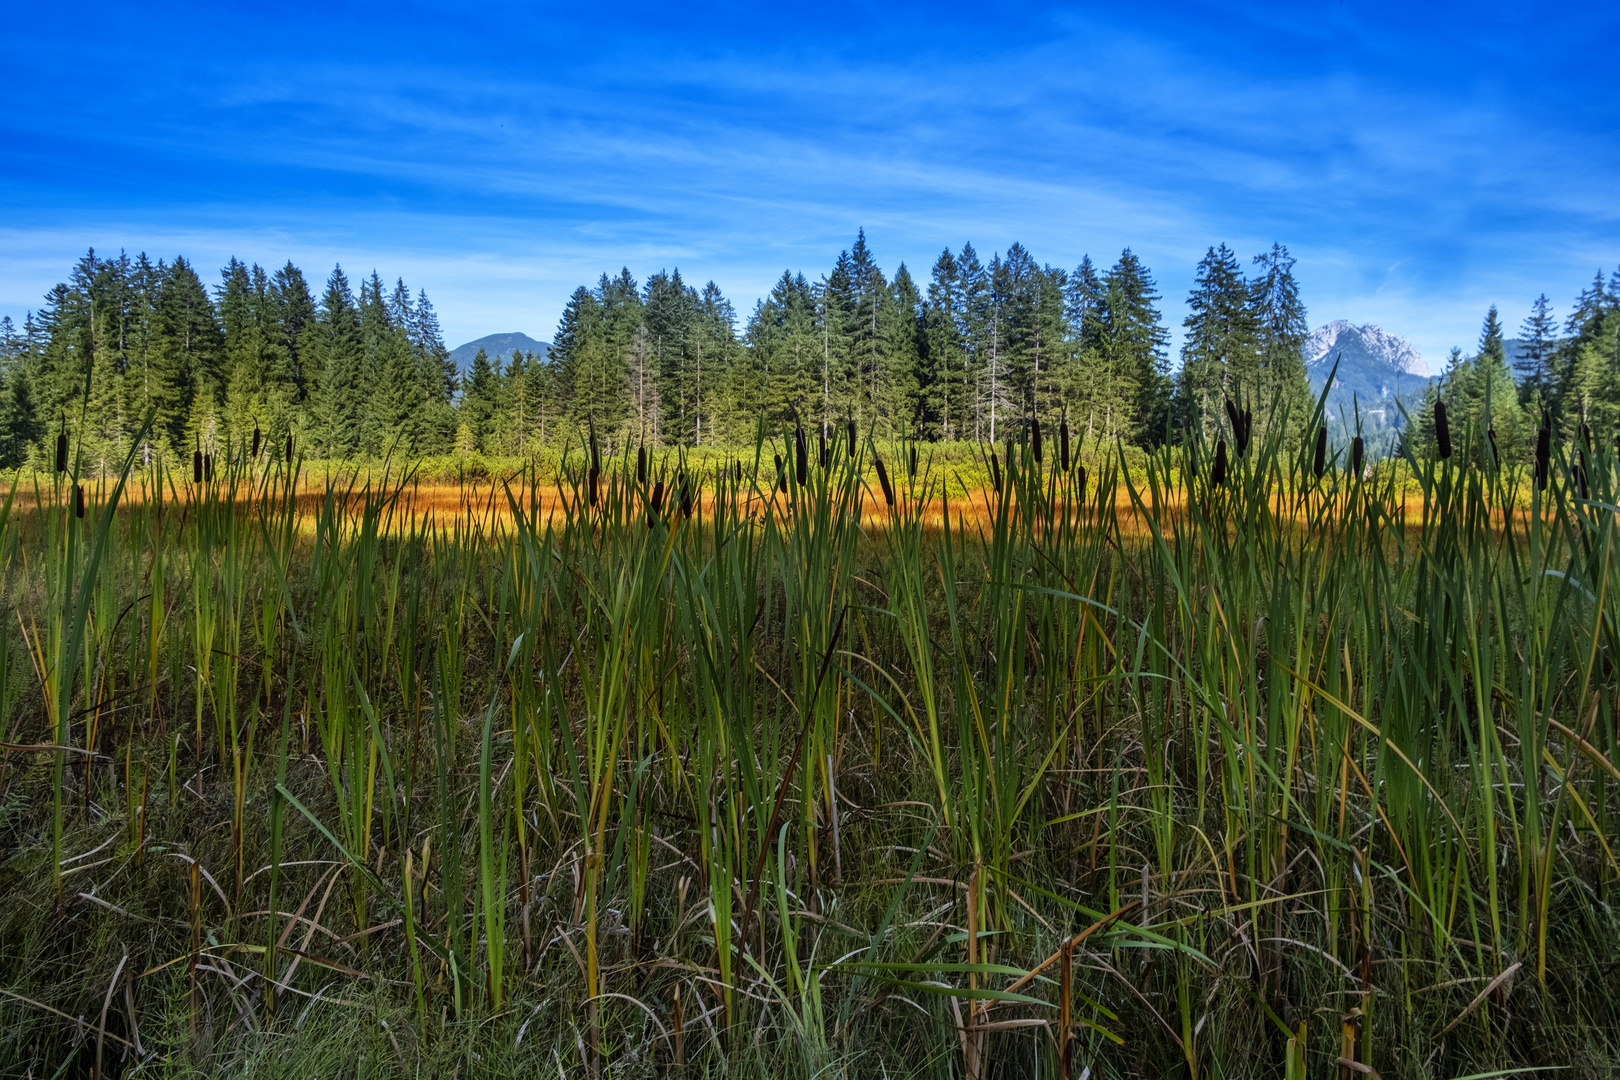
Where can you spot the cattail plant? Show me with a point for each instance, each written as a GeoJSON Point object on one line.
{"type": "Point", "coordinates": [655, 504]}
{"type": "Point", "coordinates": [1035, 438]}
{"type": "Point", "coordinates": [641, 464]}
{"type": "Point", "coordinates": [854, 446]}
{"type": "Point", "coordinates": [781, 474]}
{"type": "Point", "coordinates": [1358, 450]}
{"type": "Point", "coordinates": [289, 448]}
{"type": "Point", "coordinates": [254, 452]}
{"type": "Point", "coordinates": [1234, 418]}
{"type": "Point", "coordinates": [1063, 442]}
{"type": "Point", "coordinates": [823, 455]}
{"type": "Point", "coordinates": [1442, 430]}
{"type": "Point", "coordinates": [62, 447]}
{"type": "Point", "coordinates": [686, 499]}
{"type": "Point", "coordinates": [78, 500]}
{"type": "Point", "coordinates": [197, 465]}
{"type": "Point", "coordinates": [1319, 462]}
{"type": "Point", "coordinates": [1217, 473]}
{"type": "Point", "coordinates": [1490, 437]}
{"type": "Point", "coordinates": [995, 473]}
{"type": "Point", "coordinates": [1543, 454]}
{"type": "Point", "coordinates": [883, 480]}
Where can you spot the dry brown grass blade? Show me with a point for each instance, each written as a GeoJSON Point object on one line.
{"type": "Point", "coordinates": [106, 1002]}
{"type": "Point", "coordinates": [1481, 996]}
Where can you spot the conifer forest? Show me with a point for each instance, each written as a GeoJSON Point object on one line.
{"type": "Point", "coordinates": [908, 678]}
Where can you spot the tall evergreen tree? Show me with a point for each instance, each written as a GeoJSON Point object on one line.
{"type": "Point", "coordinates": [1539, 337]}
{"type": "Point", "coordinates": [335, 356]}
{"type": "Point", "coordinates": [1280, 331]}
{"type": "Point", "coordinates": [1218, 353]}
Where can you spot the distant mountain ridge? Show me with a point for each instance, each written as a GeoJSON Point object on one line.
{"type": "Point", "coordinates": [1377, 373]}
{"type": "Point", "coordinates": [500, 348]}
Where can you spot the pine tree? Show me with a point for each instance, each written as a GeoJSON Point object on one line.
{"type": "Point", "coordinates": [1218, 354]}
{"type": "Point", "coordinates": [1539, 334]}
{"type": "Point", "coordinates": [1278, 316]}
{"type": "Point", "coordinates": [945, 412]}
{"type": "Point", "coordinates": [478, 400]}
{"type": "Point", "coordinates": [335, 358]}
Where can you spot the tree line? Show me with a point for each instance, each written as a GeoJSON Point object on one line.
{"type": "Point", "coordinates": [978, 349]}
{"type": "Point", "coordinates": [1568, 376]}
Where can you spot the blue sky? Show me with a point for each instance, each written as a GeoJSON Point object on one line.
{"type": "Point", "coordinates": [1422, 161]}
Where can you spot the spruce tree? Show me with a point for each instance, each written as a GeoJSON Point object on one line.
{"type": "Point", "coordinates": [1538, 335]}
{"type": "Point", "coordinates": [1218, 353]}
{"type": "Point", "coordinates": [1280, 380]}
{"type": "Point", "coordinates": [335, 357]}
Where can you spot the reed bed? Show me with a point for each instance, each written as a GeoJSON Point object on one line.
{"type": "Point", "coordinates": [814, 761]}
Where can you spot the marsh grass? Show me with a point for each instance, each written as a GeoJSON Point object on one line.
{"type": "Point", "coordinates": [864, 761]}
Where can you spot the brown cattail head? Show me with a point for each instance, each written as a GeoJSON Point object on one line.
{"type": "Point", "coordinates": [655, 504]}
{"type": "Point", "coordinates": [1442, 430]}
{"type": "Point", "coordinates": [641, 464]}
{"type": "Point", "coordinates": [1236, 420]}
{"type": "Point", "coordinates": [995, 473]}
{"type": "Point", "coordinates": [596, 454]}
{"type": "Point", "coordinates": [852, 437]}
{"type": "Point", "coordinates": [911, 462]}
{"type": "Point", "coordinates": [801, 457]}
{"type": "Point", "coordinates": [289, 448]}
{"type": "Point", "coordinates": [208, 467]}
{"type": "Point", "coordinates": [1035, 438]}
{"type": "Point", "coordinates": [822, 454]}
{"type": "Point", "coordinates": [1490, 437]}
{"type": "Point", "coordinates": [196, 466]}
{"type": "Point", "coordinates": [883, 481]}
{"type": "Point", "coordinates": [1080, 487]}
{"type": "Point", "coordinates": [781, 476]}
{"type": "Point", "coordinates": [1319, 463]}
{"type": "Point", "coordinates": [1543, 456]}
{"type": "Point", "coordinates": [1248, 428]}
{"type": "Point", "coordinates": [1358, 450]}
{"type": "Point", "coordinates": [590, 486]}
{"type": "Point", "coordinates": [78, 501]}
{"type": "Point", "coordinates": [62, 448]}
{"type": "Point", "coordinates": [1217, 474]}
{"type": "Point", "coordinates": [255, 451]}
{"type": "Point", "coordinates": [1063, 444]}
{"type": "Point", "coordinates": [686, 499]}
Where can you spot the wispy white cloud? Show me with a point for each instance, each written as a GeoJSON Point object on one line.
{"type": "Point", "coordinates": [500, 185]}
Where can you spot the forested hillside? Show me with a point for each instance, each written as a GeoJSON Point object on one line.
{"type": "Point", "coordinates": [977, 347]}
